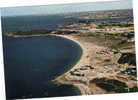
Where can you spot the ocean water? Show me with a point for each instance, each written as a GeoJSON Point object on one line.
{"type": "Point", "coordinates": [17, 23]}
{"type": "Point", "coordinates": [32, 63]}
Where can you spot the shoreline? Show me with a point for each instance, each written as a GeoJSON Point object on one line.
{"type": "Point", "coordinates": [97, 65]}
{"type": "Point", "coordinates": [84, 61]}
{"type": "Point", "coordinates": [93, 66]}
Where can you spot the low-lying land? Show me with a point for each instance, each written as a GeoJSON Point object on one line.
{"type": "Point", "coordinates": [108, 63]}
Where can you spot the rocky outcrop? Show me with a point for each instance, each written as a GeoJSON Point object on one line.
{"type": "Point", "coordinates": [128, 35]}
{"type": "Point", "coordinates": [129, 58]}
{"type": "Point", "coordinates": [130, 71]}
{"type": "Point", "coordinates": [107, 51]}
{"type": "Point", "coordinates": [122, 42]}
{"type": "Point", "coordinates": [113, 85]}
{"type": "Point", "coordinates": [79, 72]}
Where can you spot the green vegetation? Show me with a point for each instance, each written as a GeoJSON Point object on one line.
{"type": "Point", "coordinates": [33, 32]}
{"type": "Point", "coordinates": [113, 85]}
{"type": "Point", "coordinates": [39, 32]}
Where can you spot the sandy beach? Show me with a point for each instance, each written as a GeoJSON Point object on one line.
{"type": "Point", "coordinates": [97, 63]}
{"type": "Point", "coordinates": [107, 64]}
{"type": "Point", "coordinates": [68, 52]}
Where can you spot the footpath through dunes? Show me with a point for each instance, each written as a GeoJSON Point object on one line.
{"type": "Point", "coordinates": [98, 70]}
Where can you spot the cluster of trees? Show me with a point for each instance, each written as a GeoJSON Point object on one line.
{"type": "Point", "coordinates": [43, 32]}
{"type": "Point", "coordinates": [33, 32]}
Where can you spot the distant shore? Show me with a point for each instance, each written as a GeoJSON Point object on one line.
{"type": "Point", "coordinates": [107, 40]}
{"type": "Point", "coordinates": [108, 62]}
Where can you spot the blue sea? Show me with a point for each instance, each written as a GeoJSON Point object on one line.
{"type": "Point", "coordinates": [32, 63]}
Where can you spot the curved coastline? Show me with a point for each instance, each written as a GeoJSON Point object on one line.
{"type": "Point", "coordinates": [71, 37]}
{"type": "Point", "coordinates": [75, 59]}
{"type": "Point", "coordinates": [98, 68]}
{"type": "Point", "coordinates": [82, 62]}
{"type": "Point", "coordinates": [83, 83]}
{"type": "Point", "coordinates": [92, 65]}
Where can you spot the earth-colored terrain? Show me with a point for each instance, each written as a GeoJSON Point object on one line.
{"type": "Point", "coordinates": [101, 69]}
{"type": "Point", "coordinates": [108, 62]}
